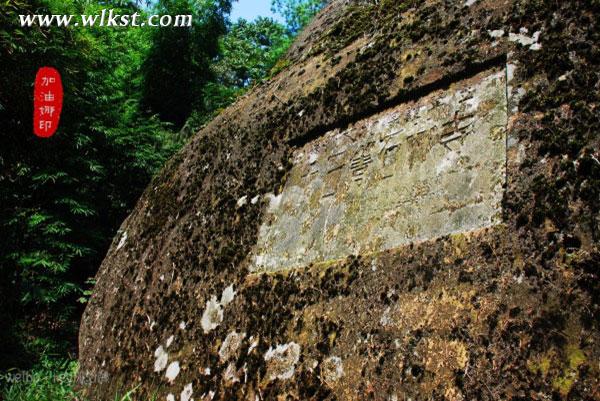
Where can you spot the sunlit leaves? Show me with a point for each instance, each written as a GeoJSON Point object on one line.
{"type": "Point", "coordinates": [297, 13]}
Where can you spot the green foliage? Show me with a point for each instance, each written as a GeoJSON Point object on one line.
{"type": "Point", "coordinates": [62, 199]}
{"type": "Point", "coordinates": [247, 54]}
{"type": "Point", "coordinates": [297, 13]}
{"type": "Point", "coordinates": [249, 51]}
{"type": "Point", "coordinates": [178, 65]}
{"type": "Point", "coordinates": [50, 379]}
{"type": "Point", "coordinates": [127, 396]}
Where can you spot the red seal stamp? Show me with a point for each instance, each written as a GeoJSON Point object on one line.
{"type": "Point", "coordinates": [47, 102]}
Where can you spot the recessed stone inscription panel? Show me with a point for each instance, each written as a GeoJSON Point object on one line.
{"type": "Point", "coordinates": [414, 172]}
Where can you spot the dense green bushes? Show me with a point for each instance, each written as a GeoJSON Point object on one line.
{"type": "Point", "coordinates": [63, 198]}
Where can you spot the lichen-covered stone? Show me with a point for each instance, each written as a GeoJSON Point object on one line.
{"type": "Point", "coordinates": [415, 172]}
{"type": "Point", "coordinates": [282, 360]}
{"type": "Point", "coordinates": [501, 311]}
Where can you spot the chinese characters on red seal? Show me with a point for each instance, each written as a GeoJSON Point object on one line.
{"type": "Point", "coordinates": [47, 102]}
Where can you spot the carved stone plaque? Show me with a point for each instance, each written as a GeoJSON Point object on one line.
{"type": "Point", "coordinates": [421, 170]}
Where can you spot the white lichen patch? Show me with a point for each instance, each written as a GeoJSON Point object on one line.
{"type": "Point", "coordinates": [188, 391]}
{"type": "Point", "coordinates": [332, 369]}
{"type": "Point", "coordinates": [122, 241]}
{"type": "Point", "coordinates": [172, 371]}
{"type": "Point", "coordinates": [242, 201]}
{"type": "Point", "coordinates": [281, 361]}
{"type": "Point", "coordinates": [161, 359]}
{"type": "Point", "coordinates": [170, 397]}
{"type": "Point", "coordinates": [212, 316]}
{"type": "Point", "coordinates": [170, 341]}
{"type": "Point", "coordinates": [386, 319]}
{"type": "Point", "coordinates": [497, 33]}
{"type": "Point", "coordinates": [230, 347]}
{"type": "Point", "coordinates": [469, 3]}
{"type": "Point", "coordinates": [253, 344]}
{"type": "Point", "coordinates": [231, 375]}
{"type": "Point", "coordinates": [227, 296]}
{"type": "Point", "coordinates": [182, 326]}
{"type": "Point", "coordinates": [523, 39]}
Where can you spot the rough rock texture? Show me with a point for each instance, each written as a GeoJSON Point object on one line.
{"type": "Point", "coordinates": [506, 312]}
{"type": "Point", "coordinates": [417, 171]}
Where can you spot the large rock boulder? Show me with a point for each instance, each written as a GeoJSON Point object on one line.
{"type": "Point", "coordinates": [408, 210]}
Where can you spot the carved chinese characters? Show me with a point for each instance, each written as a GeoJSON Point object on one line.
{"type": "Point", "coordinates": [418, 171]}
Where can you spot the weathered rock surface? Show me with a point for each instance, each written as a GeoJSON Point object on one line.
{"type": "Point", "coordinates": [408, 210]}
{"type": "Point", "coordinates": [414, 172]}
